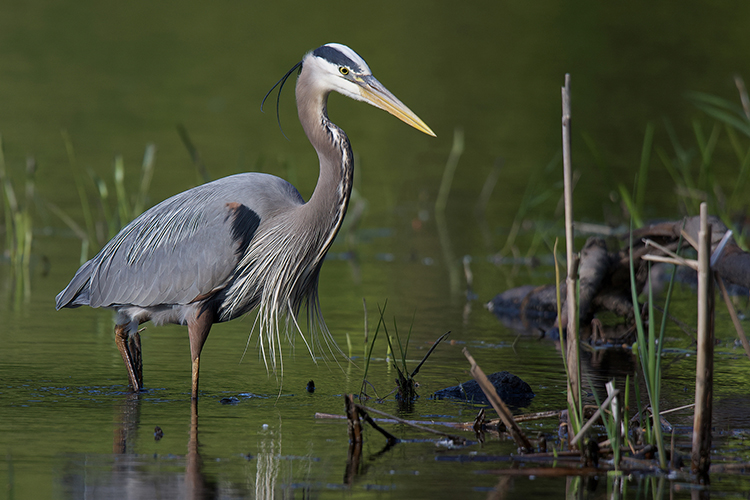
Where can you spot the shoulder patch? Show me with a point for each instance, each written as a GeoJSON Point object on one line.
{"type": "Point", "coordinates": [245, 223]}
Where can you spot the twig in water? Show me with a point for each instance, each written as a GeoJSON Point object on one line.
{"type": "Point", "coordinates": [496, 422]}
{"type": "Point", "coordinates": [455, 439]}
{"type": "Point", "coordinates": [594, 418]}
{"type": "Point", "coordinates": [354, 455]}
{"type": "Point", "coordinates": [390, 437]}
{"type": "Point", "coordinates": [453, 425]}
{"type": "Point", "coordinates": [679, 408]}
{"type": "Point", "coordinates": [352, 418]}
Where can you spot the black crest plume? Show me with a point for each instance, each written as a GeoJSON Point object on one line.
{"type": "Point", "coordinates": [280, 84]}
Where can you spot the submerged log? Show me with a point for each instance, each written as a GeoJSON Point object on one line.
{"type": "Point", "coordinates": [605, 276]}
{"type": "Point", "coordinates": [734, 263]}
{"type": "Point", "coordinates": [592, 271]}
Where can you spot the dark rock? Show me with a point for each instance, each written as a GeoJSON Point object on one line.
{"type": "Point", "coordinates": [511, 389]}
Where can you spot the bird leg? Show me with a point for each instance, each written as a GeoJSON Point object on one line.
{"type": "Point", "coordinates": [129, 345]}
{"type": "Point", "coordinates": [198, 329]}
{"type": "Point", "coordinates": [134, 345]}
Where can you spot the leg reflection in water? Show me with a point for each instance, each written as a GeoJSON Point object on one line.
{"type": "Point", "coordinates": [133, 475]}
{"type": "Point", "coordinates": [195, 482]}
{"type": "Point", "coordinates": [127, 416]}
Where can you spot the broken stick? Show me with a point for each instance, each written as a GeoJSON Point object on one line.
{"type": "Point", "coordinates": [497, 403]}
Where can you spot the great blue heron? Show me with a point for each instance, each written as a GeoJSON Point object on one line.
{"type": "Point", "coordinates": [217, 251]}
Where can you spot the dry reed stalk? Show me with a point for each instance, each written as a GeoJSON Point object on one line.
{"type": "Point", "coordinates": [700, 458]}
{"type": "Point", "coordinates": [571, 353]}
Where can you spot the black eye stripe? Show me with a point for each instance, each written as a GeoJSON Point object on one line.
{"type": "Point", "coordinates": [334, 56]}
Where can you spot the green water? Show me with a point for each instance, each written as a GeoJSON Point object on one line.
{"type": "Point", "coordinates": [117, 76]}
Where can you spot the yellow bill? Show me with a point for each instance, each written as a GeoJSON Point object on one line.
{"type": "Point", "coordinates": [376, 94]}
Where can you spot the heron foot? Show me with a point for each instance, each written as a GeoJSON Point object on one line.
{"type": "Point", "coordinates": [129, 345]}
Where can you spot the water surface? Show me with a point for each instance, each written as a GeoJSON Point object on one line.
{"type": "Point", "coordinates": [118, 76]}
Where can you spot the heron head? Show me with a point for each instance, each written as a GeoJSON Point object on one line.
{"type": "Point", "coordinates": [334, 67]}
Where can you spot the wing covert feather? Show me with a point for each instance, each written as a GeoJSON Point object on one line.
{"type": "Point", "coordinates": [188, 245]}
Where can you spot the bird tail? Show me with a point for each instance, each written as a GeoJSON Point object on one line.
{"type": "Point", "coordinates": [76, 294]}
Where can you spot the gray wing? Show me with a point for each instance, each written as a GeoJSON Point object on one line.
{"type": "Point", "coordinates": [183, 248]}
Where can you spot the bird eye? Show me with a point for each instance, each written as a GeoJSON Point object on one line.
{"type": "Point", "coordinates": [344, 70]}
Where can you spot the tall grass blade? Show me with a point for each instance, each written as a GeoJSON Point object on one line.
{"type": "Point", "coordinates": [648, 140]}
{"type": "Point", "coordinates": [645, 425]}
{"type": "Point", "coordinates": [721, 109]}
{"type": "Point", "coordinates": [194, 155]}
{"type": "Point", "coordinates": [147, 173]}
{"type": "Point", "coordinates": [654, 350]}
{"type": "Point", "coordinates": [434, 346]}
{"type": "Point", "coordinates": [102, 192]}
{"type": "Point", "coordinates": [531, 198]}
{"type": "Point", "coordinates": [123, 207]}
{"type": "Point", "coordinates": [9, 200]}
{"type": "Point", "coordinates": [457, 150]}
{"type": "Point", "coordinates": [18, 226]}
{"type": "Point", "coordinates": [706, 149]}
{"type": "Point", "coordinates": [649, 352]}
{"type": "Point", "coordinates": [78, 178]}
{"type": "Point", "coordinates": [368, 356]}
{"type": "Point", "coordinates": [630, 205]}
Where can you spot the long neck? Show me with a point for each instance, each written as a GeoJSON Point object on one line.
{"type": "Point", "coordinates": [327, 205]}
